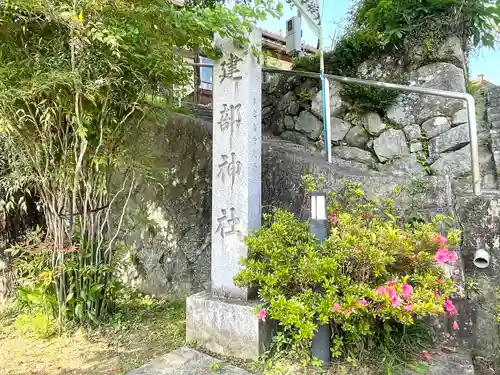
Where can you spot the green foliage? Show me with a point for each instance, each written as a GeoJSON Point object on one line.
{"type": "Point", "coordinates": [305, 96]}
{"type": "Point", "coordinates": [370, 98]}
{"type": "Point", "coordinates": [497, 307]}
{"type": "Point", "coordinates": [90, 289]}
{"type": "Point", "coordinates": [394, 19]}
{"type": "Point", "coordinates": [210, 3]}
{"type": "Point", "coordinates": [356, 280]}
{"type": "Point", "coordinates": [38, 325]}
{"type": "Point", "coordinates": [475, 89]}
{"type": "Point", "coordinates": [216, 367]}
{"type": "Point", "coordinates": [396, 27]}
{"type": "Point", "coordinates": [471, 285]}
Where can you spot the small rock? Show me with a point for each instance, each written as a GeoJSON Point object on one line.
{"type": "Point", "coordinates": [456, 163]}
{"type": "Point", "coordinates": [493, 114]}
{"type": "Point", "coordinates": [267, 100]}
{"type": "Point", "coordinates": [307, 88]}
{"type": "Point", "coordinates": [297, 138]}
{"type": "Point", "coordinates": [289, 123]}
{"type": "Point", "coordinates": [400, 111]}
{"type": "Point", "coordinates": [459, 118]}
{"type": "Point", "coordinates": [354, 153]}
{"type": "Point", "coordinates": [380, 68]}
{"type": "Point", "coordinates": [273, 84]}
{"type": "Point", "coordinates": [369, 144]}
{"type": "Point", "coordinates": [278, 126]}
{"type": "Point", "coordinates": [293, 109]}
{"type": "Point", "coordinates": [391, 144]}
{"type": "Point", "coordinates": [267, 112]}
{"type": "Point", "coordinates": [452, 49]}
{"type": "Point", "coordinates": [373, 123]}
{"type": "Point", "coordinates": [435, 126]}
{"type": "Point", "coordinates": [357, 137]}
{"type": "Point", "coordinates": [286, 100]}
{"type": "Point", "coordinates": [448, 364]}
{"type": "Point", "coordinates": [308, 124]}
{"type": "Point", "coordinates": [339, 128]}
{"type": "Point", "coordinates": [416, 147]}
{"type": "Point", "coordinates": [489, 182]}
{"type": "Point", "coordinates": [292, 82]}
{"type": "Point", "coordinates": [454, 105]}
{"type": "Point", "coordinates": [407, 165]}
{"type": "Point", "coordinates": [451, 140]}
{"type": "Point", "coordinates": [413, 132]}
{"type": "Point", "coordinates": [337, 106]}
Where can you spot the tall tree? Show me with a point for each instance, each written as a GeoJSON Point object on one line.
{"type": "Point", "coordinates": [76, 79]}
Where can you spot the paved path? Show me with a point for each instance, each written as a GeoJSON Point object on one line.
{"type": "Point", "coordinates": [186, 361]}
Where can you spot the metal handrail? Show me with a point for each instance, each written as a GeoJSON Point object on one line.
{"type": "Point", "coordinates": [469, 99]}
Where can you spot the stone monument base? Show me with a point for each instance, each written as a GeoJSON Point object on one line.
{"type": "Point", "coordinates": [229, 328]}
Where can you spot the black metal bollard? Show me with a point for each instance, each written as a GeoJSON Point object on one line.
{"type": "Point", "coordinates": [319, 227]}
{"type": "Point", "coordinates": [321, 344]}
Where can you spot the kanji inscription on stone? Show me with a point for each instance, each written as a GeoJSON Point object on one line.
{"type": "Point", "coordinates": [230, 68]}
{"type": "Point", "coordinates": [231, 167]}
{"type": "Point", "coordinates": [230, 117]}
{"type": "Point", "coordinates": [228, 224]}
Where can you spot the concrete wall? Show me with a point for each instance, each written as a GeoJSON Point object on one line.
{"type": "Point", "coordinates": [480, 221]}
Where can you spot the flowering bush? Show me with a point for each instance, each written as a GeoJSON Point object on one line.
{"type": "Point", "coordinates": [371, 271]}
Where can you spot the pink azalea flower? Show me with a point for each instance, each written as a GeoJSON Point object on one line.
{"type": "Point", "coordinates": [455, 325]}
{"type": "Point", "coordinates": [392, 292]}
{"type": "Point", "coordinates": [440, 239]}
{"type": "Point", "coordinates": [426, 356]}
{"type": "Point", "coordinates": [450, 307]}
{"type": "Point", "coordinates": [407, 291]}
{"type": "Point", "coordinates": [403, 236]}
{"type": "Point", "coordinates": [391, 283]}
{"type": "Point", "coordinates": [408, 308]}
{"type": "Point", "coordinates": [452, 257]}
{"type": "Point", "coordinates": [395, 300]}
{"type": "Point", "coordinates": [333, 219]}
{"type": "Point", "coordinates": [436, 294]}
{"type": "Point", "coordinates": [262, 315]}
{"type": "Point", "coordinates": [382, 290]}
{"type": "Point", "coordinates": [362, 302]}
{"type": "Point", "coordinates": [440, 282]}
{"type": "Point", "coordinates": [441, 256]}
{"type": "Point", "coordinates": [336, 307]}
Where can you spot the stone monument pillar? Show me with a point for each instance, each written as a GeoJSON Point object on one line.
{"type": "Point", "coordinates": [236, 170]}
{"type": "Point", "coordinates": [223, 320]}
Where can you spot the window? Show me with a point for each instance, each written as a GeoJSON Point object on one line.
{"type": "Point", "coordinates": [206, 74]}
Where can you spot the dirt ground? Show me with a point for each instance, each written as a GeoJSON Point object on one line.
{"type": "Point", "coordinates": [129, 341]}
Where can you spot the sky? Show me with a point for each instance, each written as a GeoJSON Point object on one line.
{"type": "Point", "coordinates": [334, 17]}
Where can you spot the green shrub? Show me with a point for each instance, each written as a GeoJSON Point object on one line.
{"type": "Point", "coordinates": [370, 274]}
{"type": "Point", "coordinates": [369, 98]}
{"type": "Point", "coordinates": [89, 291]}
